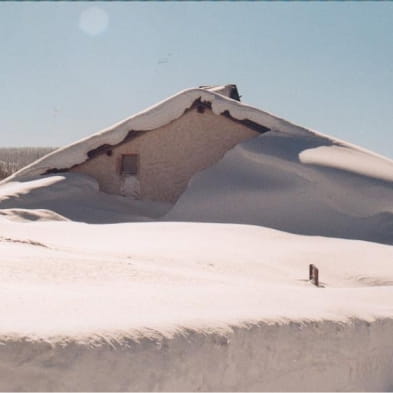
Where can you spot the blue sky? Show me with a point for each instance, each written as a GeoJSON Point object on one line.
{"type": "Point", "coordinates": [68, 70]}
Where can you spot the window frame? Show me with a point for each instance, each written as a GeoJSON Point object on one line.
{"type": "Point", "coordinates": [121, 165]}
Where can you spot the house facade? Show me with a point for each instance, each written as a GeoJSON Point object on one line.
{"type": "Point", "coordinates": [158, 164]}
{"type": "Point", "coordinates": [154, 154]}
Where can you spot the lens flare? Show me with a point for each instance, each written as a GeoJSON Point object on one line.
{"type": "Point", "coordinates": [93, 21]}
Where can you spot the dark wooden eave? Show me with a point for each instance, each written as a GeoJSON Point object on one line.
{"type": "Point", "coordinates": [248, 123]}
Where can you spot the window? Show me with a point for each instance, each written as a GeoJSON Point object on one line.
{"type": "Point", "coordinates": [129, 164]}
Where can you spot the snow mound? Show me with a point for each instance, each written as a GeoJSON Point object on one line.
{"type": "Point", "coordinates": [305, 184]}
{"type": "Point", "coordinates": [71, 196]}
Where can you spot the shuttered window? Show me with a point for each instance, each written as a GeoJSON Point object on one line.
{"type": "Point", "coordinates": [129, 164]}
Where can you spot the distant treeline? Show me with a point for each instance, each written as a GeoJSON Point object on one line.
{"type": "Point", "coordinates": [15, 158]}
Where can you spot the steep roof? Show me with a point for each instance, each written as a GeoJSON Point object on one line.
{"type": "Point", "coordinates": [157, 116]}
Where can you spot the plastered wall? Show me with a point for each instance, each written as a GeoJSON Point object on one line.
{"type": "Point", "coordinates": [169, 156]}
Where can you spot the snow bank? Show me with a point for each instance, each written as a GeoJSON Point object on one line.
{"type": "Point", "coordinates": [350, 160]}
{"type": "Point", "coordinates": [172, 306]}
{"type": "Point", "coordinates": [72, 196]}
{"type": "Point", "coordinates": [298, 183]}
{"type": "Point", "coordinates": [257, 357]}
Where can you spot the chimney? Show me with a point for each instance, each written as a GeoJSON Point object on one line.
{"type": "Point", "coordinates": [225, 90]}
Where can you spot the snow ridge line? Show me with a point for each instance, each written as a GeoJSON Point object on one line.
{"type": "Point", "coordinates": [26, 241]}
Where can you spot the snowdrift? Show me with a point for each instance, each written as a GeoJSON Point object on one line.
{"type": "Point", "coordinates": [71, 196]}
{"type": "Point", "coordinates": [182, 306]}
{"type": "Point", "coordinates": [306, 184]}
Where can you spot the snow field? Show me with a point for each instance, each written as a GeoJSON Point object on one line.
{"type": "Point", "coordinates": [188, 306]}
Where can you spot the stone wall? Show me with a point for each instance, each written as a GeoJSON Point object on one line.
{"type": "Point", "coordinates": [170, 155]}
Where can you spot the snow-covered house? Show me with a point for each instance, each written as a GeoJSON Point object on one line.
{"type": "Point", "coordinates": [153, 155]}
{"type": "Point", "coordinates": [254, 168]}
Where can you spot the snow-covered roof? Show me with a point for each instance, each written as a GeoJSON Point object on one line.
{"type": "Point", "coordinates": [157, 116]}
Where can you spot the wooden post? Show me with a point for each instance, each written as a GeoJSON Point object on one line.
{"type": "Point", "coordinates": [310, 271]}
{"type": "Point", "coordinates": [316, 277]}
{"type": "Point", "coordinates": [313, 274]}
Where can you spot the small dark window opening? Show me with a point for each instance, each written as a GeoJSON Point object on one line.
{"type": "Point", "coordinates": [109, 153]}
{"type": "Point", "coordinates": [129, 164]}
